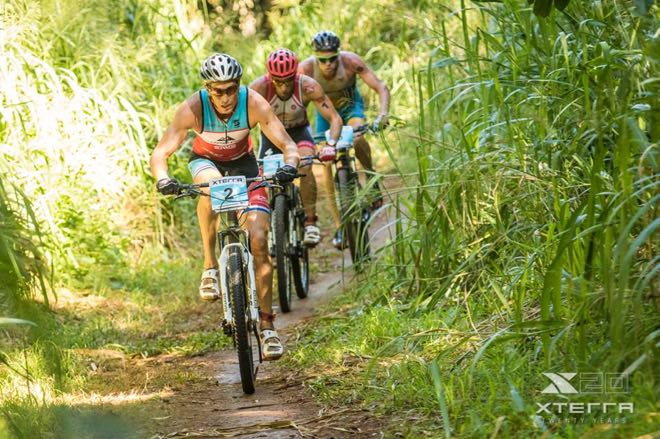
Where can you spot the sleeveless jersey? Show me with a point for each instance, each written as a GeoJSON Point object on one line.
{"type": "Point", "coordinates": [291, 112]}
{"type": "Point", "coordinates": [224, 140]}
{"type": "Point", "coordinates": [340, 89]}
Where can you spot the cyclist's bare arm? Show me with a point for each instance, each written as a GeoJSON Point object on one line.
{"type": "Point", "coordinates": [355, 64]}
{"type": "Point", "coordinates": [313, 92]}
{"type": "Point", "coordinates": [259, 85]}
{"type": "Point", "coordinates": [307, 67]}
{"type": "Point", "coordinates": [185, 118]}
{"type": "Point", "coordinates": [260, 113]}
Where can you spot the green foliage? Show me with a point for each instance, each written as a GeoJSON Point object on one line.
{"type": "Point", "coordinates": [86, 91]}
{"type": "Point", "coordinates": [528, 235]}
{"type": "Point", "coordinates": [528, 149]}
{"type": "Point", "coordinates": [22, 266]}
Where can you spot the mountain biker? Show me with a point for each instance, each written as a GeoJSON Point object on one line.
{"type": "Point", "coordinates": [336, 71]}
{"type": "Point", "coordinates": [289, 93]}
{"type": "Point", "coordinates": [221, 114]}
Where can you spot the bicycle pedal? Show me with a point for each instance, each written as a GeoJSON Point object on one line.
{"type": "Point", "coordinates": [227, 329]}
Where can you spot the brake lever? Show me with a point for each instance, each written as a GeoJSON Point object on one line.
{"type": "Point", "coordinates": [189, 193]}
{"type": "Point", "coordinates": [262, 184]}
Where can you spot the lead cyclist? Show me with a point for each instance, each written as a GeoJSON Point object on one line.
{"type": "Point", "coordinates": [221, 115]}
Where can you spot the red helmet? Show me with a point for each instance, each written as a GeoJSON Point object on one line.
{"type": "Point", "coordinates": [282, 63]}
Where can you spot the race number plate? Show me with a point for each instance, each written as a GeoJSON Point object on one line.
{"type": "Point", "coordinates": [229, 193]}
{"type": "Point", "coordinates": [345, 139]}
{"type": "Point", "coordinates": [272, 163]}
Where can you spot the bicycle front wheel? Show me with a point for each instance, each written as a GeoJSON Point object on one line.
{"type": "Point", "coordinates": [300, 256]}
{"type": "Point", "coordinates": [353, 223]}
{"type": "Point", "coordinates": [243, 323]}
{"type": "Point", "coordinates": [283, 261]}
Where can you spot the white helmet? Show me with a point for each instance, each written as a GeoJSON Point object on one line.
{"type": "Point", "coordinates": [220, 67]}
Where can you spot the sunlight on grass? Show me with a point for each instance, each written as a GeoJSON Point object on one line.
{"type": "Point", "coordinates": [121, 398]}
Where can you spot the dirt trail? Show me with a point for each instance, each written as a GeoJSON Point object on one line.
{"type": "Point", "coordinates": [202, 396]}
{"type": "Point", "coordinates": [215, 406]}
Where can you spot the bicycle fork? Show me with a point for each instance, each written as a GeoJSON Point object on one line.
{"type": "Point", "coordinates": [253, 302]}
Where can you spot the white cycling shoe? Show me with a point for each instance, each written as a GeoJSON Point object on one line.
{"type": "Point", "coordinates": [209, 288]}
{"type": "Point", "coordinates": [271, 345]}
{"type": "Point", "coordinates": [312, 235]}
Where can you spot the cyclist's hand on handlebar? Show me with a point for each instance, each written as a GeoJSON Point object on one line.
{"type": "Point", "coordinates": [327, 153]}
{"type": "Point", "coordinates": [381, 122]}
{"type": "Point", "coordinates": [286, 174]}
{"type": "Point", "coordinates": [168, 186]}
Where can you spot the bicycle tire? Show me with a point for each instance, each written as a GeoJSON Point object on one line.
{"type": "Point", "coordinates": [282, 259]}
{"type": "Point", "coordinates": [242, 320]}
{"type": "Point", "coordinates": [354, 227]}
{"type": "Point", "coordinates": [300, 258]}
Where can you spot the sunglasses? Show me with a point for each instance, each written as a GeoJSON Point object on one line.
{"type": "Point", "coordinates": [229, 91]}
{"type": "Point", "coordinates": [328, 59]}
{"type": "Point", "coordinates": [282, 81]}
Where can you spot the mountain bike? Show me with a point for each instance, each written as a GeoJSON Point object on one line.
{"type": "Point", "coordinates": [288, 228]}
{"type": "Point", "coordinates": [237, 278]}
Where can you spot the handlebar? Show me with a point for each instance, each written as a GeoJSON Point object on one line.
{"type": "Point", "coordinates": [192, 190]}
{"type": "Point", "coordinates": [361, 129]}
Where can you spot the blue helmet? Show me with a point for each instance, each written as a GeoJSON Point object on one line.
{"type": "Point", "coordinates": [326, 41]}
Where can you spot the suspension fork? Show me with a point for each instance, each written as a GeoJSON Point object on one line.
{"type": "Point", "coordinates": [235, 237]}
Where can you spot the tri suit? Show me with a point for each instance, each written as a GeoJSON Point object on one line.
{"type": "Point", "coordinates": [292, 112]}
{"type": "Point", "coordinates": [225, 145]}
{"type": "Point", "coordinates": [343, 93]}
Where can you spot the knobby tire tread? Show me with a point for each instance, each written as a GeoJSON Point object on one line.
{"type": "Point", "coordinates": [281, 232]}
{"type": "Point", "coordinates": [238, 291]}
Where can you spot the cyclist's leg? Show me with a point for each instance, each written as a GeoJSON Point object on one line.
{"type": "Point", "coordinates": [355, 117]}
{"type": "Point", "coordinates": [306, 148]}
{"type": "Point", "coordinates": [257, 224]}
{"type": "Point", "coordinates": [258, 221]}
{"type": "Point", "coordinates": [328, 181]}
{"type": "Point", "coordinates": [203, 170]}
{"type": "Point", "coordinates": [363, 149]}
{"type": "Point", "coordinates": [363, 154]}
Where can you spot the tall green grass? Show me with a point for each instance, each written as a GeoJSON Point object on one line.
{"type": "Point", "coordinates": [31, 364]}
{"type": "Point", "coordinates": [552, 178]}
{"type": "Point", "coordinates": [85, 91]}
{"type": "Point", "coordinates": [528, 241]}
{"type": "Point", "coordinates": [85, 94]}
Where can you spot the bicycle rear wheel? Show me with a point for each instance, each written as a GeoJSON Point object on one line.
{"type": "Point", "coordinates": [243, 323]}
{"type": "Point", "coordinates": [300, 254]}
{"type": "Point", "coordinates": [283, 261]}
